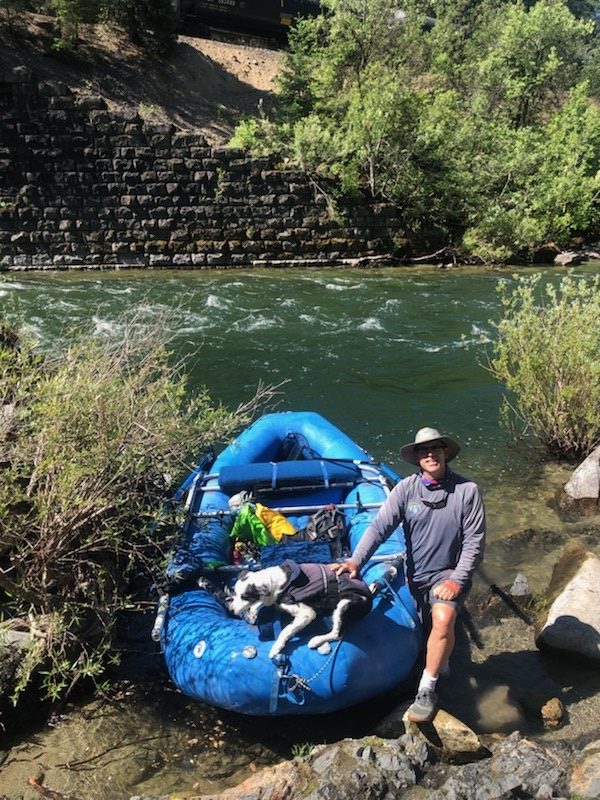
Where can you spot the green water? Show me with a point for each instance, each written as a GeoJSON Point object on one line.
{"type": "Point", "coordinates": [381, 353]}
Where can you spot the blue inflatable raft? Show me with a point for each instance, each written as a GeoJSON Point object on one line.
{"type": "Point", "coordinates": [295, 463]}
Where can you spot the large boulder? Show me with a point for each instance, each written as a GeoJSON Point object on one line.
{"type": "Point", "coordinates": [572, 623]}
{"type": "Point", "coordinates": [450, 739]}
{"type": "Point", "coordinates": [582, 491]}
{"type": "Point", "coordinates": [568, 258]}
{"type": "Point", "coordinates": [518, 768]}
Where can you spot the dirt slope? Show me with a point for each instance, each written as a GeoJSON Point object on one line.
{"type": "Point", "coordinates": [206, 85]}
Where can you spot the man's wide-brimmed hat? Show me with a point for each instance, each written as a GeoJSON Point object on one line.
{"type": "Point", "coordinates": [424, 436]}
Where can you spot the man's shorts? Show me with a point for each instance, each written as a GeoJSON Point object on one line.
{"type": "Point", "coordinates": [425, 598]}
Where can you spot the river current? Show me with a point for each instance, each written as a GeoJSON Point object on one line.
{"type": "Point", "coordinates": [381, 353]}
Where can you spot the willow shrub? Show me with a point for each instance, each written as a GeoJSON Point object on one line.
{"type": "Point", "coordinates": [91, 442]}
{"type": "Point", "coordinates": [546, 355]}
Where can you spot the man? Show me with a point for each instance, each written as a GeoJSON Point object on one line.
{"type": "Point", "coordinates": [444, 523]}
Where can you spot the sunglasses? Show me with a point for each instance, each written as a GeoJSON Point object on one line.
{"type": "Point", "coordinates": [436, 503]}
{"type": "Point", "coordinates": [422, 450]}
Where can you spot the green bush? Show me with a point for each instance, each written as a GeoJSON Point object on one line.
{"type": "Point", "coordinates": [546, 355]}
{"type": "Point", "coordinates": [91, 442]}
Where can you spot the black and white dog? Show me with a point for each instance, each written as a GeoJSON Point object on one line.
{"type": "Point", "coordinates": [302, 591]}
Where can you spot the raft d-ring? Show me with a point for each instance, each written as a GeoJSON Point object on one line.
{"type": "Point", "coordinates": [200, 648]}
{"type": "Point", "coordinates": [249, 651]}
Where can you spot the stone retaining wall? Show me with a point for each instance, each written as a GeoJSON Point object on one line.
{"type": "Point", "coordinates": [82, 186]}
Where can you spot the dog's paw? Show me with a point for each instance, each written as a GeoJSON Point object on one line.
{"type": "Point", "coordinates": [275, 651]}
{"type": "Point", "coordinates": [251, 616]}
{"type": "Point", "coordinates": [317, 641]}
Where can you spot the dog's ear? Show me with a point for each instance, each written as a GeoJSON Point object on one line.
{"type": "Point", "coordinates": [243, 575]}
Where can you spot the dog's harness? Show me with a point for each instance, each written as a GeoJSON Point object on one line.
{"type": "Point", "coordinates": [320, 587]}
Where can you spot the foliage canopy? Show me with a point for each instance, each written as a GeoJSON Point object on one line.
{"type": "Point", "coordinates": [484, 124]}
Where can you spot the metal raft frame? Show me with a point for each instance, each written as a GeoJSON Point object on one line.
{"type": "Point", "coordinates": [370, 473]}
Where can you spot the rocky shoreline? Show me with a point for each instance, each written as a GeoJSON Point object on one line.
{"type": "Point", "coordinates": [409, 767]}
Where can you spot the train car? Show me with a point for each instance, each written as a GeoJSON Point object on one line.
{"type": "Point", "coordinates": [264, 16]}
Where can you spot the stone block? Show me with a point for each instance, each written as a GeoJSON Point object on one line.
{"type": "Point", "coordinates": [160, 144]}
{"type": "Point", "coordinates": [217, 259]}
{"type": "Point", "coordinates": [129, 115]}
{"type": "Point", "coordinates": [158, 212]}
{"type": "Point", "coordinates": [182, 259]}
{"type": "Point", "coordinates": [158, 129]}
{"type": "Point", "coordinates": [180, 234]}
{"type": "Point", "coordinates": [159, 260]}
{"type": "Point", "coordinates": [146, 154]}
{"type": "Point", "coordinates": [53, 88]}
{"type": "Point", "coordinates": [93, 103]}
{"type": "Point", "coordinates": [120, 247]}
{"type": "Point", "coordinates": [200, 152]}
{"type": "Point", "coordinates": [185, 139]}
{"type": "Point", "coordinates": [176, 165]}
{"type": "Point", "coordinates": [238, 167]}
{"type": "Point", "coordinates": [225, 153]}
{"type": "Point", "coordinates": [287, 200]}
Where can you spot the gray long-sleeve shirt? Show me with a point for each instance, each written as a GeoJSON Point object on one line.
{"type": "Point", "coordinates": [451, 536]}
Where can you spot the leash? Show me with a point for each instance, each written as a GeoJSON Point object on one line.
{"type": "Point", "coordinates": [293, 686]}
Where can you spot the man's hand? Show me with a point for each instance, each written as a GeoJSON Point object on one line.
{"type": "Point", "coordinates": [447, 590]}
{"type": "Point", "coordinates": [346, 566]}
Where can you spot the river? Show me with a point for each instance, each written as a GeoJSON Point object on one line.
{"type": "Point", "coordinates": [381, 353]}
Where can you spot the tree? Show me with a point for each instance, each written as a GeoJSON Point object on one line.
{"type": "Point", "coordinates": [151, 24]}
{"type": "Point", "coordinates": [482, 126]}
{"type": "Point", "coordinates": [528, 59]}
{"type": "Point", "coordinates": [71, 14]}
